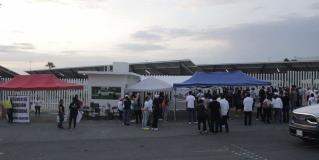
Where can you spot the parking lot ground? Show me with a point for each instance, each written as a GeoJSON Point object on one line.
{"type": "Point", "coordinates": [100, 140]}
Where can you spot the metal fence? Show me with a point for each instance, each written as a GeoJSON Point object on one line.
{"type": "Point", "coordinates": [50, 99]}
{"type": "Point", "coordinates": [303, 79]}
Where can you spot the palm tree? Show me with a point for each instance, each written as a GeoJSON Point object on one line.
{"type": "Point", "coordinates": [50, 65]}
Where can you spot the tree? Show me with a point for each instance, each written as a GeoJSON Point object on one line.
{"type": "Point", "coordinates": [286, 60]}
{"type": "Point", "coordinates": [50, 65]}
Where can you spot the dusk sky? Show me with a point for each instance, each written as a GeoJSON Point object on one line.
{"type": "Point", "coordinates": [95, 32]}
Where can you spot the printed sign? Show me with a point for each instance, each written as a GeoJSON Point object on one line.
{"type": "Point", "coordinates": [112, 93]}
{"type": "Point", "coordinates": [21, 109]}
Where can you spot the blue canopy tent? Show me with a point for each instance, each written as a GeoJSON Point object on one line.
{"type": "Point", "coordinates": [236, 78]}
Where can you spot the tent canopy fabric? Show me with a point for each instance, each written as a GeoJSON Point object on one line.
{"type": "Point", "coordinates": [236, 78]}
{"type": "Point", "coordinates": [37, 82]}
{"type": "Point", "coordinates": [150, 84]}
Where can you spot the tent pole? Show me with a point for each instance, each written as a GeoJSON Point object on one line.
{"type": "Point", "coordinates": [175, 104]}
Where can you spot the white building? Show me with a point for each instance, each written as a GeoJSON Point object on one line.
{"type": "Point", "coordinates": [107, 87]}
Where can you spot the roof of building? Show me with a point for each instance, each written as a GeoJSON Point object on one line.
{"type": "Point", "coordinates": [263, 67]}
{"type": "Point", "coordinates": [6, 73]}
{"type": "Point", "coordinates": [187, 67]}
{"type": "Point", "coordinates": [109, 73]}
{"type": "Point", "coordinates": [177, 67]}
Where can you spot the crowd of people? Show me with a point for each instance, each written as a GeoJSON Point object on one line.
{"type": "Point", "coordinates": [271, 104]}
{"type": "Point", "coordinates": [148, 113]}
{"type": "Point", "coordinates": [74, 110]}
{"type": "Point", "coordinates": [209, 109]}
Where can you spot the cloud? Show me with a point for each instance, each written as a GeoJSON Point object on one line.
{"type": "Point", "coordinates": [196, 4]}
{"type": "Point", "coordinates": [17, 47]}
{"type": "Point", "coordinates": [137, 47]}
{"type": "Point", "coordinates": [315, 6]}
{"type": "Point", "coordinates": [147, 36]}
{"type": "Point", "coordinates": [90, 4]}
{"type": "Point", "coordinates": [290, 37]}
{"type": "Point", "coordinates": [294, 36]}
{"type": "Point", "coordinates": [159, 33]}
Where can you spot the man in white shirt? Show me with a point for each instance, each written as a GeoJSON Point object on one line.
{"type": "Point", "coordinates": [277, 106]}
{"type": "Point", "coordinates": [190, 105]}
{"type": "Point", "coordinates": [312, 100]}
{"type": "Point", "coordinates": [224, 108]}
{"type": "Point", "coordinates": [120, 108]}
{"type": "Point", "coordinates": [253, 95]}
{"type": "Point", "coordinates": [248, 108]}
{"type": "Point", "coordinates": [147, 109]}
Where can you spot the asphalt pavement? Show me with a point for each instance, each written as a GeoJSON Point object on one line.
{"type": "Point", "coordinates": [108, 139]}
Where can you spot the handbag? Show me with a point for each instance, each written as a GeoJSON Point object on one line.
{"type": "Point", "coordinates": [79, 116]}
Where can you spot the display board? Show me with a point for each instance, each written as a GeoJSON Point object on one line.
{"type": "Point", "coordinates": [21, 109]}
{"type": "Point", "coordinates": [112, 93]}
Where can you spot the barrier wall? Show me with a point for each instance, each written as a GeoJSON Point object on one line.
{"type": "Point", "coordinates": [50, 99]}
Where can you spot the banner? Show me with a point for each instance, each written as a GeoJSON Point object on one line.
{"type": "Point", "coordinates": [21, 109]}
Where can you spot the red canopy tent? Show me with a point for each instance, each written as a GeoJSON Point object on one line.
{"type": "Point", "coordinates": [37, 82]}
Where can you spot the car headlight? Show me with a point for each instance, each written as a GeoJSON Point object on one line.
{"type": "Point", "coordinates": [312, 120]}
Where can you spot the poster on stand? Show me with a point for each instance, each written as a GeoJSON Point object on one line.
{"type": "Point", "coordinates": [21, 109]}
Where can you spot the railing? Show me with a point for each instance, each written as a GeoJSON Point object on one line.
{"type": "Point", "coordinates": [50, 99]}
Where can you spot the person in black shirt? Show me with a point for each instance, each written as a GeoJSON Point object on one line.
{"type": "Point", "coordinates": [127, 110]}
{"type": "Point", "coordinates": [137, 108]}
{"type": "Point", "coordinates": [286, 107]}
{"type": "Point", "coordinates": [201, 116]}
{"type": "Point", "coordinates": [215, 115]}
{"type": "Point", "coordinates": [74, 108]}
{"type": "Point", "coordinates": [262, 97]}
{"type": "Point", "coordinates": [61, 114]}
{"type": "Point", "coordinates": [156, 112]}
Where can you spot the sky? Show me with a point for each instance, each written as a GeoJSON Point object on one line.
{"type": "Point", "coordinates": [73, 33]}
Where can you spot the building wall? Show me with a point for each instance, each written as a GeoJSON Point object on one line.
{"type": "Point", "coordinates": [109, 81]}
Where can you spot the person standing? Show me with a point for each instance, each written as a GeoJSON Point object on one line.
{"type": "Point", "coordinates": [237, 99]}
{"type": "Point", "coordinates": [165, 106]}
{"type": "Point", "coordinates": [37, 106]}
{"type": "Point", "coordinates": [277, 105]}
{"type": "Point", "coordinates": [262, 97]}
{"type": "Point", "coordinates": [3, 114]}
{"type": "Point", "coordinates": [248, 108]}
{"type": "Point", "coordinates": [286, 108]}
{"type": "Point", "coordinates": [156, 112]}
{"type": "Point", "coordinates": [293, 97]}
{"type": "Point", "coordinates": [61, 114]}
{"type": "Point", "coordinates": [312, 100]}
{"type": "Point", "coordinates": [74, 109]}
{"type": "Point", "coordinates": [201, 116]}
{"type": "Point", "coordinates": [267, 105]}
{"type": "Point", "coordinates": [224, 108]}
{"type": "Point", "coordinates": [147, 109]}
{"type": "Point", "coordinates": [137, 109]}
{"type": "Point", "coordinates": [8, 105]}
{"type": "Point", "coordinates": [253, 95]}
{"type": "Point", "coordinates": [190, 105]}
{"type": "Point", "coordinates": [161, 99]}
{"type": "Point", "coordinates": [214, 107]}
{"type": "Point", "coordinates": [120, 108]}
{"type": "Point", "coordinates": [127, 110]}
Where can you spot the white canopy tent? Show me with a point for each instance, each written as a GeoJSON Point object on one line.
{"type": "Point", "coordinates": [153, 85]}
{"type": "Point", "coordinates": [150, 84]}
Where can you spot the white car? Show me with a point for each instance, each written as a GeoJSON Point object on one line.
{"type": "Point", "coordinates": [305, 123]}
